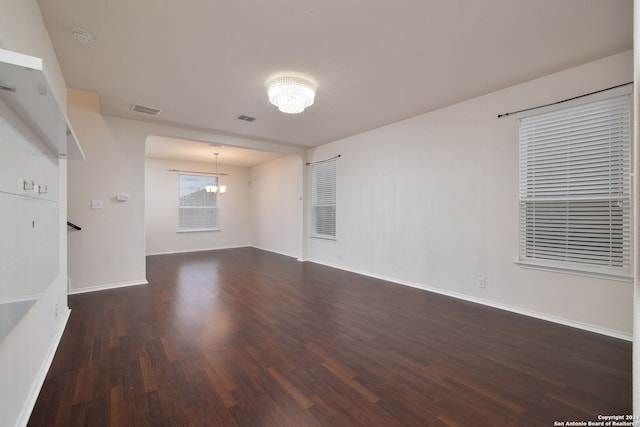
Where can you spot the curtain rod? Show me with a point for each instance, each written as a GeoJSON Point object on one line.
{"type": "Point", "coordinates": [564, 100]}
{"type": "Point", "coordinates": [200, 173]}
{"type": "Point", "coordinates": [322, 161]}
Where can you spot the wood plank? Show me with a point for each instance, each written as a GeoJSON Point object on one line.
{"type": "Point", "coordinates": [294, 392]}
{"type": "Point", "coordinates": [246, 337]}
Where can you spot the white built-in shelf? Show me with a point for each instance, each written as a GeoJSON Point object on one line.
{"type": "Point", "coordinates": [30, 105]}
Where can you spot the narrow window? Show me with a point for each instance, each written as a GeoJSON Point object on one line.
{"type": "Point", "coordinates": [198, 209]}
{"type": "Point", "coordinates": [323, 203]}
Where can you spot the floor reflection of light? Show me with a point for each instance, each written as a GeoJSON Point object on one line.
{"type": "Point", "coordinates": [197, 305]}
{"type": "Point", "coordinates": [195, 302]}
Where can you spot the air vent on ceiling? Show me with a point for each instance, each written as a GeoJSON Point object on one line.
{"type": "Point", "coordinates": [145, 109]}
{"type": "Point", "coordinates": [246, 118]}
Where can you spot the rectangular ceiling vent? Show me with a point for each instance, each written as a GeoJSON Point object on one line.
{"type": "Point", "coordinates": [145, 109]}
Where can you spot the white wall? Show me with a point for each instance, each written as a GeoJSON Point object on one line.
{"type": "Point", "coordinates": [110, 249]}
{"type": "Point", "coordinates": [161, 209]}
{"type": "Point", "coordinates": [276, 206]}
{"type": "Point", "coordinates": [433, 202]}
{"type": "Point", "coordinates": [25, 355]}
{"type": "Point", "coordinates": [262, 207]}
{"type": "Point", "coordinates": [22, 30]}
{"type": "Point", "coordinates": [105, 251]}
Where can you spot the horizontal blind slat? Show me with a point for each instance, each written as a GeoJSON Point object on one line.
{"type": "Point", "coordinates": [197, 208]}
{"type": "Point", "coordinates": [323, 212]}
{"type": "Point", "coordinates": [574, 185]}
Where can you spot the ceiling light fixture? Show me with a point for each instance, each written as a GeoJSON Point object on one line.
{"type": "Point", "coordinates": [83, 36]}
{"type": "Point", "coordinates": [291, 94]}
{"type": "Point", "coordinates": [218, 189]}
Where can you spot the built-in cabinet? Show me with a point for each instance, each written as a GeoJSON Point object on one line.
{"type": "Point", "coordinates": [34, 135]}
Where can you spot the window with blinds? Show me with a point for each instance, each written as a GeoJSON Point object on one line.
{"type": "Point", "coordinates": [575, 202]}
{"type": "Point", "coordinates": [197, 209]}
{"type": "Point", "coordinates": [323, 199]}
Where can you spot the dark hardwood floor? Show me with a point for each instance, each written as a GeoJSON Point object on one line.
{"type": "Point", "coordinates": [244, 337]}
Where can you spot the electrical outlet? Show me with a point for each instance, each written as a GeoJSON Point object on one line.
{"type": "Point", "coordinates": [480, 282]}
{"type": "Point", "coordinates": [56, 310]}
{"type": "Point", "coordinates": [26, 184]}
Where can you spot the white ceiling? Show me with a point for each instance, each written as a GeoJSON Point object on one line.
{"type": "Point", "coordinates": [205, 62]}
{"type": "Point", "coordinates": [161, 147]}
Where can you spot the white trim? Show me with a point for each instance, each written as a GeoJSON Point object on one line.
{"type": "Point", "coordinates": [185, 251]}
{"type": "Point", "coordinates": [538, 265]}
{"type": "Point", "coordinates": [33, 298]}
{"type": "Point", "coordinates": [542, 316]}
{"type": "Point", "coordinates": [30, 402]}
{"type": "Point", "coordinates": [226, 247]}
{"type": "Point", "coordinates": [107, 287]}
{"type": "Point", "coordinates": [276, 252]}
{"type": "Point", "coordinates": [323, 237]}
{"type": "Point", "coordinates": [199, 230]}
{"type": "Point", "coordinates": [21, 60]}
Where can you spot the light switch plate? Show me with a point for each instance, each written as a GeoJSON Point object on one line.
{"type": "Point", "coordinates": [96, 204]}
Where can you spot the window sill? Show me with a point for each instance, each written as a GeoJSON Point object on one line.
{"type": "Point", "coordinates": [198, 231]}
{"type": "Point", "coordinates": [318, 237]}
{"type": "Point", "coordinates": [621, 277]}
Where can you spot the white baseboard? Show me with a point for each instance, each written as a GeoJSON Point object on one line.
{"type": "Point", "coordinates": [225, 247]}
{"type": "Point", "coordinates": [276, 252]}
{"type": "Point", "coordinates": [30, 403]}
{"type": "Point", "coordinates": [506, 307]}
{"type": "Point", "coordinates": [185, 251]}
{"type": "Point", "coordinates": [107, 286]}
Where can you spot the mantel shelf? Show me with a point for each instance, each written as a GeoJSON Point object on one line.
{"type": "Point", "coordinates": [29, 104]}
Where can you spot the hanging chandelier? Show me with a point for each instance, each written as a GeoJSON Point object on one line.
{"type": "Point", "coordinates": [218, 189]}
{"type": "Point", "coordinates": [291, 94]}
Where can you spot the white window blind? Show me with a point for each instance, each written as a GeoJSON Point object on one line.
{"type": "Point", "coordinates": [575, 203]}
{"type": "Point", "coordinates": [323, 196]}
{"type": "Point", "coordinates": [198, 210]}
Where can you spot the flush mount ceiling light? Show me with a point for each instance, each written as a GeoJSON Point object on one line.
{"type": "Point", "coordinates": [291, 94]}
{"type": "Point", "coordinates": [83, 36]}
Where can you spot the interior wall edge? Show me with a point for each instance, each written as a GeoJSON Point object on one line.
{"type": "Point", "coordinates": [290, 255]}
{"type": "Point", "coordinates": [186, 251]}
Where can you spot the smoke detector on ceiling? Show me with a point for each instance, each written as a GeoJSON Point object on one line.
{"type": "Point", "coordinates": [83, 36]}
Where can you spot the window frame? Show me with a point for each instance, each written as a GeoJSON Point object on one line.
{"type": "Point", "coordinates": [624, 198]}
{"type": "Point", "coordinates": [324, 186]}
{"type": "Point", "coordinates": [215, 207]}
